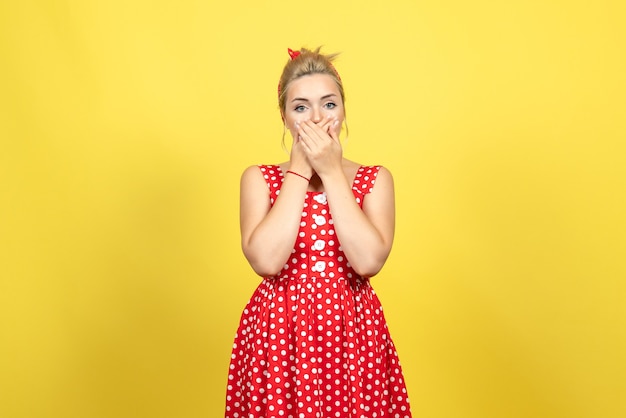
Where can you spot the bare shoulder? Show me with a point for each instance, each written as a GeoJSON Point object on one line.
{"type": "Point", "coordinates": [383, 185]}
{"type": "Point", "coordinates": [379, 205]}
{"type": "Point", "coordinates": [253, 182]}
{"type": "Point", "coordinates": [253, 192]}
{"type": "Point", "coordinates": [384, 176]}
{"type": "Point", "coordinates": [250, 173]}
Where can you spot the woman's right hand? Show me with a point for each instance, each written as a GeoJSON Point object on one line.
{"type": "Point", "coordinates": [298, 161]}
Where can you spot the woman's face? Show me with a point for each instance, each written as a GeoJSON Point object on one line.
{"type": "Point", "coordinates": [314, 97]}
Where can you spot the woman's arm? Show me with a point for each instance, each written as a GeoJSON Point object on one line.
{"type": "Point", "coordinates": [268, 233]}
{"type": "Point", "coordinates": [366, 235]}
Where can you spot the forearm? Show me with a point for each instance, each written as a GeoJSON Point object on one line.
{"type": "Point", "coordinates": [364, 245]}
{"type": "Point", "coordinates": [269, 245]}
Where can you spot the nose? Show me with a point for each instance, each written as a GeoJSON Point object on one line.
{"type": "Point", "coordinates": [317, 115]}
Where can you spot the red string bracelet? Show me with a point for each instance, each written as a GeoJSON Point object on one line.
{"type": "Point", "coordinates": [299, 175]}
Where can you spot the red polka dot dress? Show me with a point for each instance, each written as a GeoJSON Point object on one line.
{"type": "Point", "coordinates": [312, 341]}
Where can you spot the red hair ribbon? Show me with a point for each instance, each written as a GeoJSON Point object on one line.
{"type": "Point", "coordinates": [293, 54]}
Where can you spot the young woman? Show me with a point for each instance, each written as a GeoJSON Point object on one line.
{"type": "Point", "coordinates": [313, 341]}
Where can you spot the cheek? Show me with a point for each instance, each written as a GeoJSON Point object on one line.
{"type": "Point", "coordinates": [293, 131]}
{"type": "Point", "coordinates": [293, 121]}
{"type": "Point", "coordinates": [291, 127]}
{"type": "Point", "coordinates": [337, 128]}
{"type": "Point", "coordinates": [337, 113]}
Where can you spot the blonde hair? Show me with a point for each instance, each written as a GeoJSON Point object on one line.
{"type": "Point", "coordinates": [305, 63]}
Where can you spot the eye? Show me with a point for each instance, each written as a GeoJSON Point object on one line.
{"type": "Point", "coordinates": [330, 105]}
{"type": "Point", "coordinates": [300, 108]}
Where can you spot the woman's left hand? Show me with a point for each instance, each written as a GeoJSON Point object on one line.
{"type": "Point", "coordinates": [321, 145]}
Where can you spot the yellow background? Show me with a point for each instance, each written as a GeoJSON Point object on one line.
{"type": "Point", "coordinates": [125, 126]}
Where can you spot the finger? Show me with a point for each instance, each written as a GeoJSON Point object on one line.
{"type": "Point", "coordinates": [332, 130]}
{"type": "Point", "coordinates": [316, 131]}
{"type": "Point", "coordinates": [302, 132]}
{"type": "Point", "coordinates": [325, 123]}
{"type": "Point", "coordinates": [308, 131]}
{"type": "Point", "coordinates": [303, 145]}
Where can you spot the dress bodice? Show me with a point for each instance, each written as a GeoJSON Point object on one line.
{"type": "Point", "coordinates": [317, 252]}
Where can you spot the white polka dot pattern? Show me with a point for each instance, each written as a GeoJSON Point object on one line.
{"type": "Point", "coordinates": [312, 340]}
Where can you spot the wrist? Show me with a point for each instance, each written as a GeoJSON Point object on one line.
{"type": "Point", "coordinates": [301, 170]}
{"type": "Point", "coordinates": [332, 176]}
{"type": "Point", "coordinates": [307, 179]}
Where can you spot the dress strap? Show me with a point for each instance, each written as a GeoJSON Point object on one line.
{"type": "Point", "coordinates": [273, 176]}
{"type": "Point", "coordinates": [363, 182]}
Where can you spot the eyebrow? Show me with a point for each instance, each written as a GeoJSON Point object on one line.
{"type": "Point", "coordinates": [295, 99]}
